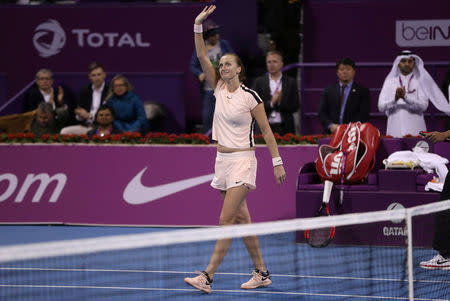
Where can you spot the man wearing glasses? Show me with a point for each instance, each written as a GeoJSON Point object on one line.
{"type": "Point", "coordinates": [42, 91]}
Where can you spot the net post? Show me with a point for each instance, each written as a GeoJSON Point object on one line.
{"type": "Point", "coordinates": [409, 261]}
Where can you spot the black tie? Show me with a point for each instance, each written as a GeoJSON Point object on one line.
{"type": "Point", "coordinates": [342, 94]}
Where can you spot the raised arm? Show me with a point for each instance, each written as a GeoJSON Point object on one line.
{"type": "Point", "coordinates": [200, 48]}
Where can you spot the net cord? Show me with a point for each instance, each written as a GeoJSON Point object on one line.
{"type": "Point", "coordinates": [134, 241]}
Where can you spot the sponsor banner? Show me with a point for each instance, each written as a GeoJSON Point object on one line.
{"type": "Point", "coordinates": [422, 33]}
{"type": "Point", "coordinates": [402, 24]}
{"type": "Point", "coordinates": [386, 233]}
{"type": "Point", "coordinates": [134, 185]}
{"type": "Point", "coordinates": [125, 38]}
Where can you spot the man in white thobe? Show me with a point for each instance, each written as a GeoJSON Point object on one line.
{"type": "Point", "coordinates": [405, 94]}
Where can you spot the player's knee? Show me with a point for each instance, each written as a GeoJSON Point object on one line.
{"type": "Point", "coordinates": [243, 219]}
{"type": "Point", "coordinates": [225, 220]}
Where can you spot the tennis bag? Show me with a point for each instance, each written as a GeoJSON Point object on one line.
{"type": "Point", "coordinates": [351, 154]}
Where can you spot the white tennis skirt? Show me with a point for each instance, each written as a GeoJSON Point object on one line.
{"type": "Point", "coordinates": [235, 169]}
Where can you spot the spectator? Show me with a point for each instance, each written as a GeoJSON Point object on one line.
{"type": "Point", "coordinates": [46, 122]}
{"type": "Point", "coordinates": [215, 48]}
{"type": "Point", "coordinates": [89, 100]}
{"type": "Point", "coordinates": [104, 121]}
{"type": "Point", "coordinates": [279, 93]}
{"type": "Point", "coordinates": [405, 94]}
{"type": "Point", "coordinates": [42, 91]}
{"type": "Point", "coordinates": [128, 109]}
{"type": "Point", "coordinates": [345, 101]}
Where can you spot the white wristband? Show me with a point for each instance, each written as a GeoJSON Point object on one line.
{"type": "Point", "coordinates": [277, 161]}
{"type": "Point", "coordinates": [198, 28]}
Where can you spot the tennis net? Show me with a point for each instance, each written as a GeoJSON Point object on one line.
{"type": "Point", "coordinates": [151, 266]}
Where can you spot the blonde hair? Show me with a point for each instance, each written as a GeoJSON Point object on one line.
{"type": "Point", "coordinates": [111, 86]}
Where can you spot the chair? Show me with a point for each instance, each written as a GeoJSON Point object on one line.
{"type": "Point", "coordinates": [17, 123]}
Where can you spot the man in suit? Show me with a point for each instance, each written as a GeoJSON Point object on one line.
{"type": "Point", "coordinates": [89, 100]}
{"type": "Point", "coordinates": [42, 91]}
{"type": "Point", "coordinates": [279, 93]}
{"type": "Point", "coordinates": [345, 101]}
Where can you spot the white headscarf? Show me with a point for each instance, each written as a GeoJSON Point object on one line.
{"type": "Point", "coordinates": [428, 85]}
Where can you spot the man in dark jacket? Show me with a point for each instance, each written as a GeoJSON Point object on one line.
{"type": "Point", "coordinates": [279, 93]}
{"type": "Point", "coordinates": [42, 91]}
{"type": "Point", "coordinates": [90, 99]}
{"type": "Point", "coordinates": [345, 101]}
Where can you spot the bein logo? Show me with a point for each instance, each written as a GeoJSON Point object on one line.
{"type": "Point", "coordinates": [44, 181]}
{"type": "Point", "coordinates": [422, 33]}
{"type": "Point", "coordinates": [49, 38]}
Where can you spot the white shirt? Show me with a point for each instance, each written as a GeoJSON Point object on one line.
{"type": "Point", "coordinates": [47, 97]}
{"type": "Point", "coordinates": [96, 100]}
{"type": "Point", "coordinates": [275, 87]}
{"type": "Point", "coordinates": [405, 116]}
{"type": "Point", "coordinates": [233, 123]}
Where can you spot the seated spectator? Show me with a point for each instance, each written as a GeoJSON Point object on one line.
{"type": "Point", "coordinates": [405, 94]}
{"type": "Point", "coordinates": [46, 122]}
{"type": "Point", "coordinates": [279, 93]}
{"type": "Point", "coordinates": [128, 109]}
{"type": "Point", "coordinates": [104, 123]}
{"type": "Point", "coordinates": [42, 91]}
{"type": "Point", "coordinates": [89, 100]}
{"type": "Point", "coordinates": [344, 102]}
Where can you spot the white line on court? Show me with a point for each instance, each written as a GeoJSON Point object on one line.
{"type": "Point", "coordinates": [218, 273]}
{"type": "Point", "coordinates": [216, 291]}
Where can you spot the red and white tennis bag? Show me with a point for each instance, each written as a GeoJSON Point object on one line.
{"type": "Point", "coordinates": [351, 154]}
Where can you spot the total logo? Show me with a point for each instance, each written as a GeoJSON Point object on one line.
{"type": "Point", "coordinates": [49, 31]}
{"type": "Point", "coordinates": [395, 231]}
{"type": "Point", "coordinates": [50, 38]}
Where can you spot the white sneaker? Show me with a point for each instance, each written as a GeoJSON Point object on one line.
{"type": "Point", "coordinates": [201, 282]}
{"type": "Point", "coordinates": [437, 262]}
{"type": "Point", "coordinates": [259, 279]}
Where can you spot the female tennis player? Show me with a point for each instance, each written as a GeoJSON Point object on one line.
{"type": "Point", "coordinates": [237, 108]}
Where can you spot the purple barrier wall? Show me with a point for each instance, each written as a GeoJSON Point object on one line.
{"type": "Point", "coordinates": [124, 37]}
{"type": "Point", "coordinates": [87, 184]}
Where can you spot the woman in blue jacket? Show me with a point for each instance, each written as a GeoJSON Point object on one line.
{"type": "Point", "coordinates": [128, 109]}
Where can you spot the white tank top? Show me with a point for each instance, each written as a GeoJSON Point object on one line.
{"type": "Point", "coordinates": [233, 123]}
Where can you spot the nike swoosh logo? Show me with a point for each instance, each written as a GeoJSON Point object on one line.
{"type": "Point", "coordinates": [442, 261]}
{"type": "Point", "coordinates": [136, 194]}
